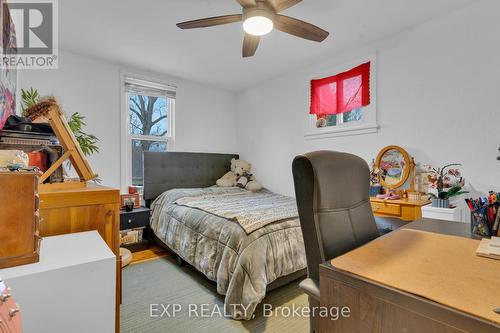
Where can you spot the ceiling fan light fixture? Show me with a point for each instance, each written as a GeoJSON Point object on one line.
{"type": "Point", "coordinates": [259, 18]}
{"type": "Point", "coordinates": [258, 25]}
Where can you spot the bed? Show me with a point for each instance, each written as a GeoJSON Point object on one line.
{"type": "Point", "coordinates": [245, 260]}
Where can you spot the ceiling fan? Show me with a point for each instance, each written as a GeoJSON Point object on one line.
{"type": "Point", "coordinates": [259, 18]}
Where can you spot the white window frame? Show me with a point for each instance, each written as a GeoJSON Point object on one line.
{"type": "Point", "coordinates": [126, 137]}
{"type": "Point", "coordinates": [367, 124]}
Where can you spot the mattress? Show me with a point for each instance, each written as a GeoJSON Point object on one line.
{"type": "Point", "coordinates": [241, 264]}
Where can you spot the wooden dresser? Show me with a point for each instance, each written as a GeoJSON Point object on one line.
{"type": "Point", "coordinates": [19, 220]}
{"type": "Point", "coordinates": [403, 209]}
{"type": "Point", "coordinates": [93, 207]}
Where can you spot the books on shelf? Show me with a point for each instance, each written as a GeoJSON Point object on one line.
{"type": "Point", "coordinates": [131, 236]}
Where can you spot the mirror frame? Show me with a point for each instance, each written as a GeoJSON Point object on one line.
{"type": "Point", "coordinates": [407, 169]}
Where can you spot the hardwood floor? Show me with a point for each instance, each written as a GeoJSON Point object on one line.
{"type": "Point", "coordinates": [152, 252]}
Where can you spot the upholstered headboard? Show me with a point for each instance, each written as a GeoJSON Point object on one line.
{"type": "Point", "coordinates": [166, 171]}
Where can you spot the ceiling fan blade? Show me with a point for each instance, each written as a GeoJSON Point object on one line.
{"type": "Point", "coordinates": [250, 44]}
{"type": "Point", "coordinates": [300, 28]}
{"type": "Point", "coordinates": [281, 5]}
{"type": "Point", "coordinates": [210, 21]}
{"type": "Point", "coordinates": [247, 3]}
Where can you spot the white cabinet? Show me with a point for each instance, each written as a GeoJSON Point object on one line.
{"type": "Point", "coordinates": [457, 214]}
{"type": "Point", "coordinates": [72, 288]}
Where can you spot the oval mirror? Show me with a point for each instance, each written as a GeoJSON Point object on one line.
{"type": "Point", "coordinates": [394, 165]}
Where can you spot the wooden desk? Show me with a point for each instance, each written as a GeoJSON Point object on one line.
{"type": "Point", "coordinates": [377, 293]}
{"type": "Point", "coordinates": [402, 209]}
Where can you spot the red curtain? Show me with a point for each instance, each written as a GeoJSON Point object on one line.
{"type": "Point", "coordinates": [341, 93]}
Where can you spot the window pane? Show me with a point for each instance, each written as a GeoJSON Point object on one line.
{"type": "Point", "coordinates": [354, 115]}
{"type": "Point", "coordinates": [138, 147]}
{"type": "Point", "coordinates": [334, 120]}
{"type": "Point", "coordinates": [331, 120]}
{"type": "Point", "coordinates": [326, 121]}
{"type": "Point", "coordinates": [148, 115]}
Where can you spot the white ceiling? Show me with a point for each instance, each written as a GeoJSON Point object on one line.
{"type": "Point", "coordinates": [143, 34]}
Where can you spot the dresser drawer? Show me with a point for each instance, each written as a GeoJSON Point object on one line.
{"type": "Point", "coordinates": [386, 208]}
{"type": "Point", "coordinates": [134, 219]}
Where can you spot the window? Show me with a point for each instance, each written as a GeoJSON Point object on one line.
{"type": "Point", "coordinates": [338, 99]}
{"type": "Point", "coordinates": [150, 107]}
{"type": "Point", "coordinates": [342, 103]}
{"type": "Point", "coordinates": [337, 119]}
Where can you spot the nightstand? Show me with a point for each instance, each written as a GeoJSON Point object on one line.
{"type": "Point", "coordinates": [137, 219]}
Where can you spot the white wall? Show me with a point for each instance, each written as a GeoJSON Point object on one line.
{"type": "Point", "coordinates": [437, 87]}
{"type": "Point", "coordinates": [436, 91]}
{"type": "Point", "coordinates": [205, 116]}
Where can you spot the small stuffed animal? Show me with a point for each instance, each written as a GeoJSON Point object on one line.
{"type": "Point", "coordinates": [240, 174]}
{"type": "Point", "coordinates": [243, 179]}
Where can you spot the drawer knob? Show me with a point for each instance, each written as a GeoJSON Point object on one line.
{"type": "Point", "coordinates": [12, 312]}
{"type": "Point", "coordinates": [129, 221]}
{"type": "Point", "coordinates": [4, 297]}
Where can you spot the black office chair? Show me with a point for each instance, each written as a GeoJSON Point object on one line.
{"type": "Point", "coordinates": [331, 190]}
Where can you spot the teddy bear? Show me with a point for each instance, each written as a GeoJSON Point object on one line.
{"type": "Point", "coordinates": [240, 176]}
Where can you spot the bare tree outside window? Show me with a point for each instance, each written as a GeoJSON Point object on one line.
{"type": "Point", "coordinates": [149, 126]}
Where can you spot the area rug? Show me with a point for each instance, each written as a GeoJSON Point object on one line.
{"type": "Point", "coordinates": [160, 296]}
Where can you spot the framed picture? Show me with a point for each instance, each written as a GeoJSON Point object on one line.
{"type": "Point", "coordinates": [8, 76]}
{"type": "Point", "coordinates": [130, 197]}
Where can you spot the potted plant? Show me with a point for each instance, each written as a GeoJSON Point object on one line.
{"type": "Point", "coordinates": [30, 98]}
{"type": "Point", "coordinates": [446, 182]}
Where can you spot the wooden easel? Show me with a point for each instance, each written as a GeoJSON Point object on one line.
{"type": "Point", "coordinates": [72, 151]}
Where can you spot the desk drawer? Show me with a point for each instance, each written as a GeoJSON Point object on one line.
{"type": "Point", "coordinates": [386, 208]}
{"type": "Point", "coordinates": [132, 220]}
